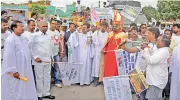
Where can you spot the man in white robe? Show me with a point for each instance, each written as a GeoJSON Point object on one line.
{"type": "Point", "coordinates": [17, 61]}
{"type": "Point", "coordinates": [73, 50]}
{"type": "Point", "coordinates": [72, 29]}
{"type": "Point", "coordinates": [4, 34]}
{"type": "Point", "coordinates": [99, 40]}
{"type": "Point", "coordinates": [175, 78]}
{"type": "Point", "coordinates": [41, 50]}
{"type": "Point", "coordinates": [86, 55]}
{"type": "Point", "coordinates": [31, 25]}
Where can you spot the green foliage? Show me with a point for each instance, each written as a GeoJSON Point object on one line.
{"type": "Point", "coordinates": [169, 9]}
{"type": "Point", "coordinates": [166, 9]}
{"type": "Point", "coordinates": [38, 8]}
{"type": "Point", "coordinates": [74, 3]}
{"type": "Point", "coordinates": [149, 11]}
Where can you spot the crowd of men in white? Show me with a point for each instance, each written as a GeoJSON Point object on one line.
{"type": "Point", "coordinates": [22, 49]}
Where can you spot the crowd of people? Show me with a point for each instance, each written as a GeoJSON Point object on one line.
{"type": "Point", "coordinates": [31, 50]}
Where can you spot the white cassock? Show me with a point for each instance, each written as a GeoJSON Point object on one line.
{"type": "Point", "coordinates": [175, 40]}
{"type": "Point", "coordinates": [3, 38]}
{"type": "Point", "coordinates": [17, 59]}
{"type": "Point", "coordinates": [86, 55]}
{"type": "Point", "coordinates": [99, 40]}
{"type": "Point", "coordinates": [73, 50]}
{"type": "Point", "coordinates": [175, 79]}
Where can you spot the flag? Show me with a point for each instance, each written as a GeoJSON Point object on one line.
{"type": "Point", "coordinates": [59, 5]}
{"type": "Point", "coordinates": [94, 16]}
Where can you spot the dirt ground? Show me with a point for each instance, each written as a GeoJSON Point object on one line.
{"type": "Point", "coordinates": [76, 92]}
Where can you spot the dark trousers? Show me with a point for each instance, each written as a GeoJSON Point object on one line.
{"type": "Point", "coordinates": [34, 74]}
{"type": "Point", "coordinates": [166, 91]}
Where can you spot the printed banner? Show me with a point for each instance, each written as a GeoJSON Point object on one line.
{"type": "Point", "coordinates": [121, 68]}
{"type": "Point", "coordinates": [138, 80]}
{"type": "Point", "coordinates": [117, 88]}
{"type": "Point", "coordinates": [104, 13]}
{"type": "Point", "coordinates": [130, 13]}
{"type": "Point", "coordinates": [125, 61]}
{"type": "Point", "coordinates": [69, 72]}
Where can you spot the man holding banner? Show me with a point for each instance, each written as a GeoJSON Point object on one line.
{"type": "Point", "coordinates": [108, 59]}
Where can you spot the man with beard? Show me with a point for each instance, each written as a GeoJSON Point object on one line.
{"type": "Point", "coordinates": [108, 58]}
{"type": "Point", "coordinates": [175, 39]}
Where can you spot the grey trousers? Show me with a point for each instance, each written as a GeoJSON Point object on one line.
{"type": "Point", "coordinates": [143, 95]}
{"type": "Point", "coordinates": [154, 93]}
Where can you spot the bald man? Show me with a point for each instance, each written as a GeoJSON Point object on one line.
{"type": "Point", "coordinates": [41, 51]}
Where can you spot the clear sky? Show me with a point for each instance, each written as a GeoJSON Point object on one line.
{"type": "Point", "coordinates": [87, 2]}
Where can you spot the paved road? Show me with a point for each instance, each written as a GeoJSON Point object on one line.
{"type": "Point", "coordinates": [76, 92]}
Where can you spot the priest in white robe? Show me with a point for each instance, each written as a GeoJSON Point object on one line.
{"type": "Point", "coordinates": [17, 61]}
{"type": "Point", "coordinates": [99, 40]}
{"type": "Point", "coordinates": [86, 54]}
{"type": "Point", "coordinates": [175, 79]}
{"type": "Point", "coordinates": [73, 50]}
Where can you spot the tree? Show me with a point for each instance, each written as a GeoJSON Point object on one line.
{"type": "Point", "coordinates": [74, 3]}
{"type": "Point", "coordinates": [38, 8]}
{"type": "Point", "coordinates": [168, 9]}
{"type": "Point", "coordinates": [149, 11]}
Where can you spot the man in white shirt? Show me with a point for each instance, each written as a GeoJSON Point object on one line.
{"type": "Point", "coordinates": [151, 35]}
{"type": "Point", "coordinates": [31, 28]}
{"type": "Point", "coordinates": [162, 29]}
{"type": "Point", "coordinates": [99, 40]}
{"type": "Point", "coordinates": [78, 6]}
{"type": "Point", "coordinates": [4, 34]}
{"type": "Point", "coordinates": [55, 37]}
{"type": "Point", "coordinates": [41, 50]}
{"type": "Point", "coordinates": [175, 40]}
{"type": "Point", "coordinates": [157, 68]}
